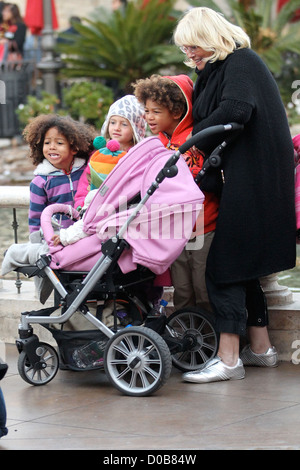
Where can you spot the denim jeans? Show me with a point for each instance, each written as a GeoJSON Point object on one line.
{"type": "Point", "coordinates": [3, 428]}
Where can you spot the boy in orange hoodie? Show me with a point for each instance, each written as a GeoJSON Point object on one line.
{"type": "Point", "coordinates": [167, 102]}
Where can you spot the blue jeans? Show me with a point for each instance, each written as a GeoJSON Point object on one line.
{"type": "Point", "coordinates": [3, 428]}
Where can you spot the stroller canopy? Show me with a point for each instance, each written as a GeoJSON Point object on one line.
{"type": "Point", "coordinates": [161, 229]}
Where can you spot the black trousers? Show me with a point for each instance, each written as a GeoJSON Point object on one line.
{"type": "Point", "coordinates": [237, 306]}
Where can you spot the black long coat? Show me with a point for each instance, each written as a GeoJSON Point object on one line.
{"type": "Point", "coordinates": [255, 234]}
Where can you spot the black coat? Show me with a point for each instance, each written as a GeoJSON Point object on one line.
{"type": "Point", "coordinates": [2, 4]}
{"type": "Point", "coordinates": [19, 37]}
{"type": "Point", "coordinates": [255, 234]}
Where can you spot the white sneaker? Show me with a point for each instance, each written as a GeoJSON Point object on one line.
{"type": "Point", "coordinates": [215, 370]}
{"type": "Point", "coordinates": [267, 359]}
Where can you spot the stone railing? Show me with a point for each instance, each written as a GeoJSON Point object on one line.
{"type": "Point", "coordinates": [14, 197]}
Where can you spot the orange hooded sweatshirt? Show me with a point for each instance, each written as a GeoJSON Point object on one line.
{"type": "Point", "coordinates": [179, 136]}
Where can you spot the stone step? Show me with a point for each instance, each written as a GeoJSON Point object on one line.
{"type": "Point", "coordinates": [284, 328]}
{"type": "Point", "coordinates": [12, 304]}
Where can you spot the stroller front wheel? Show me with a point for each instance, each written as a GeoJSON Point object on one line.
{"type": "Point", "coordinates": [137, 361]}
{"type": "Point", "coordinates": [42, 371]}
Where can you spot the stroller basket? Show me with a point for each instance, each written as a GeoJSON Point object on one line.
{"type": "Point", "coordinates": [80, 350]}
{"type": "Point", "coordinates": [136, 359]}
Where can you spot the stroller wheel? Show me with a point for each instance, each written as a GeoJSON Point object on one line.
{"type": "Point", "coordinates": [195, 332]}
{"type": "Point", "coordinates": [137, 361]}
{"type": "Point", "coordinates": [42, 371]}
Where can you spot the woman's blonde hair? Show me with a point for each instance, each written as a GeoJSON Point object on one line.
{"type": "Point", "coordinates": [209, 30]}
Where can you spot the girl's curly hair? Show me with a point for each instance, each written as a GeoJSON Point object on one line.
{"type": "Point", "coordinates": [80, 136]}
{"type": "Point", "coordinates": [163, 91]}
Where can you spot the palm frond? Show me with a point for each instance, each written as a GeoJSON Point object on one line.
{"type": "Point", "coordinates": [124, 47]}
{"type": "Point", "coordinates": [286, 13]}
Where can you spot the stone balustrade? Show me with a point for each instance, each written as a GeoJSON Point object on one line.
{"type": "Point", "coordinates": [14, 197]}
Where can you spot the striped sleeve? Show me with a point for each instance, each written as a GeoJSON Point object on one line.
{"type": "Point", "coordinates": [51, 189]}
{"type": "Point", "coordinates": [38, 202]}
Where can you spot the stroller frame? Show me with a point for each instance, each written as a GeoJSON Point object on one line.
{"type": "Point", "coordinates": [143, 353]}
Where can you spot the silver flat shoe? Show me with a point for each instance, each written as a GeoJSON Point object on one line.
{"type": "Point", "coordinates": [267, 359]}
{"type": "Point", "coordinates": [214, 371]}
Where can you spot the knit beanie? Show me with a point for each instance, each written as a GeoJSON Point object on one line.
{"type": "Point", "coordinates": [104, 160]}
{"type": "Point", "coordinates": [128, 107]}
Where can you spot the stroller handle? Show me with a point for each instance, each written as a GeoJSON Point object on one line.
{"type": "Point", "coordinates": [210, 132]}
{"type": "Point", "coordinates": [49, 211]}
{"type": "Point", "coordinates": [212, 136]}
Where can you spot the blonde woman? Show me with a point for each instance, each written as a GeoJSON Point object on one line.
{"type": "Point", "coordinates": [255, 232]}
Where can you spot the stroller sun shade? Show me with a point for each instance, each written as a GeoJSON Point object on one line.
{"type": "Point", "coordinates": [161, 229]}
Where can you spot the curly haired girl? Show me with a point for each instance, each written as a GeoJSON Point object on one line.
{"type": "Point", "coordinates": [60, 148]}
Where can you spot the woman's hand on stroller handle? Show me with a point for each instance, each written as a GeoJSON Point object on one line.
{"type": "Point", "coordinates": [201, 137]}
{"type": "Point", "coordinates": [212, 136]}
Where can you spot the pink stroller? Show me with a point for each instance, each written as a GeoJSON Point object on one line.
{"type": "Point", "coordinates": [133, 239]}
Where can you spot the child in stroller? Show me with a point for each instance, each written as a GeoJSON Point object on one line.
{"type": "Point", "coordinates": [117, 256]}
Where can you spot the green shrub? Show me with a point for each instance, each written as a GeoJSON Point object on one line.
{"type": "Point", "coordinates": [85, 101]}
{"type": "Point", "coordinates": [35, 106]}
{"type": "Point", "coordinates": [88, 101]}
